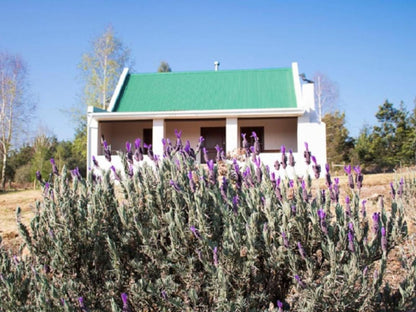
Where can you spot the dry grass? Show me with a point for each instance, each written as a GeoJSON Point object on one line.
{"type": "Point", "coordinates": [9, 202]}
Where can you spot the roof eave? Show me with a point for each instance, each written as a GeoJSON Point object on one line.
{"type": "Point", "coordinates": [200, 114]}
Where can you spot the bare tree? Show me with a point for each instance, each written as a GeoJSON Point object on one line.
{"type": "Point", "coordinates": [15, 107]}
{"type": "Point", "coordinates": [326, 94]}
{"type": "Point", "coordinates": [102, 66]}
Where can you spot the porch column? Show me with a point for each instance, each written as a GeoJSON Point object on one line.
{"type": "Point", "coordinates": [158, 134]}
{"type": "Point", "coordinates": [231, 134]}
{"type": "Point", "coordinates": [92, 139]}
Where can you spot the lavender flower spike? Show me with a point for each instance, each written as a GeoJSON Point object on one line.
{"type": "Point", "coordinates": [124, 298]}
{"type": "Point", "coordinates": [280, 306]}
{"type": "Point", "coordinates": [54, 168]}
{"type": "Point", "coordinates": [301, 284]}
{"type": "Point", "coordinates": [194, 231]}
{"type": "Point", "coordinates": [351, 246]}
{"type": "Point", "coordinates": [215, 255]}
{"type": "Point", "coordinates": [307, 154]}
{"type": "Point", "coordinates": [301, 251]}
{"type": "Point", "coordinates": [285, 240]}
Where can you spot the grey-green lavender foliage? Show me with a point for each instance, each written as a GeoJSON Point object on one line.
{"type": "Point", "coordinates": [175, 235]}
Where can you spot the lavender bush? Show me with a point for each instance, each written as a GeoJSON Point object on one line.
{"type": "Point", "coordinates": [174, 235]}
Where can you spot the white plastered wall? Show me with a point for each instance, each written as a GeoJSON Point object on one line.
{"type": "Point", "coordinates": [277, 131]}
{"type": "Point", "coordinates": [116, 133]}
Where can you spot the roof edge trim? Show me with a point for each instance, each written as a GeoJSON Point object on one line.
{"type": "Point", "coordinates": [195, 114]}
{"type": "Point", "coordinates": [118, 89]}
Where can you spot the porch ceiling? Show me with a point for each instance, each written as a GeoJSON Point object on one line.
{"type": "Point", "coordinates": [249, 113]}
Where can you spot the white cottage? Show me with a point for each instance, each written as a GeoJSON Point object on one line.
{"type": "Point", "coordinates": [218, 105]}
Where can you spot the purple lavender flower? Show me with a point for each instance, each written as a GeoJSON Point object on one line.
{"type": "Point", "coordinates": [284, 157]}
{"type": "Point", "coordinates": [351, 227]}
{"type": "Point", "coordinates": [175, 185]}
{"type": "Point", "coordinates": [46, 189]}
{"type": "Point", "coordinates": [211, 173]}
{"type": "Point", "coordinates": [194, 231]}
{"type": "Point", "coordinates": [301, 251]}
{"type": "Point", "coordinates": [223, 189]}
{"type": "Point", "coordinates": [215, 255]}
{"type": "Point", "coordinates": [365, 271]}
{"type": "Point", "coordinates": [363, 210]}
{"type": "Point", "coordinates": [54, 168]}
{"type": "Point", "coordinates": [322, 216]}
{"type": "Point", "coordinates": [178, 135]}
{"type": "Point", "coordinates": [292, 161]}
{"type": "Point", "coordinates": [218, 149]}
{"type": "Point", "coordinates": [393, 191]}
{"type": "Point", "coordinates": [82, 304]}
{"type": "Point", "coordinates": [351, 246]}
{"type": "Point", "coordinates": [293, 208]}
{"type": "Point", "coordinates": [336, 189]}
{"type": "Point", "coordinates": [235, 204]}
{"type": "Point", "coordinates": [129, 152]}
{"type": "Point", "coordinates": [305, 196]}
{"type": "Point", "coordinates": [149, 151]}
{"type": "Point", "coordinates": [256, 147]}
{"type": "Point", "coordinates": [245, 144]}
{"type": "Point", "coordinates": [258, 170]}
{"type": "Point", "coordinates": [107, 151]}
{"type": "Point", "coordinates": [347, 170]}
{"type": "Point", "coordinates": [164, 295]}
{"type": "Point", "coordinates": [138, 153]}
{"type": "Point", "coordinates": [285, 240]}
{"type": "Point", "coordinates": [376, 222]}
{"type": "Point", "coordinates": [400, 190]}
{"type": "Point", "coordinates": [125, 300]}
{"type": "Point", "coordinates": [280, 306]}
{"type": "Point", "coordinates": [128, 149]}
{"type": "Point", "coordinates": [39, 177]}
{"type": "Point", "coordinates": [316, 168]}
{"type": "Point", "coordinates": [300, 283]}
{"type": "Point", "coordinates": [291, 183]}
{"type": "Point", "coordinates": [191, 181]}
{"type": "Point", "coordinates": [76, 174]}
{"type": "Point", "coordinates": [95, 162]}
{"type": "Point", "coordinates": [383, 239]}
{"type": "Point", "coordinates": [327, 176]}
{"type": "Point", "coordinates": [348, 207]}
{"type": "Point", "coordinates": [277, 165]}
{"type": "Point", "coordinates": [307, 154]}
{"type": "Point", "coordinates": [115, 173]}
{"type": "Point", "coordinates": [359, 177]}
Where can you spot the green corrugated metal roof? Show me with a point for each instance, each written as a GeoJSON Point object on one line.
{"type": "Point", "coordinates": [208, 90]}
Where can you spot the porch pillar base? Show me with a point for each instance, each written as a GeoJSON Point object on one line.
{"type": "Point", "coordinates": [158, 135]}
{"type": "Point", "coordinates": [231, 134]}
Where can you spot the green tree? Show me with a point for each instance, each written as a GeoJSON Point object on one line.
{"type": "Point", "coordinates": [164, 67]}
{"type": "Point", "coordinates": [339, 143]}
{"type": "Point", "coordinates": [392, 137]}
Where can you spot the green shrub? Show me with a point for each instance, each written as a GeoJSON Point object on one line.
{"type": "Point", "coordinates": [174, 235]}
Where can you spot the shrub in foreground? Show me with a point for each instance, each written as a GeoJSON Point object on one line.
{"type": "Point", "coordinates": [174, 235]}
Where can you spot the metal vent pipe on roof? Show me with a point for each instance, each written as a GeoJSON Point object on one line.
{"type": "Point", "coordinates": [216, 65]}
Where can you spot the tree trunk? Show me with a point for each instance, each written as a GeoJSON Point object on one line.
{"type": "Point", "coordinates": [3, 171]}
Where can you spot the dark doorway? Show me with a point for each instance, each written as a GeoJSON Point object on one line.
{"type": "Point", "coordinates": [213, 136]}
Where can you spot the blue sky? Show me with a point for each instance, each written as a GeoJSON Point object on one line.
{"type": "Point", "coordinates": [366, 47]}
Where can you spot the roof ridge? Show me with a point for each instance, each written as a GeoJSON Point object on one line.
{"type": "Point", "coordinates": [216, 72]}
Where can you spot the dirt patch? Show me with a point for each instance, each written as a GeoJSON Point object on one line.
{"type": "Point", "coordinates": [9, 202]}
